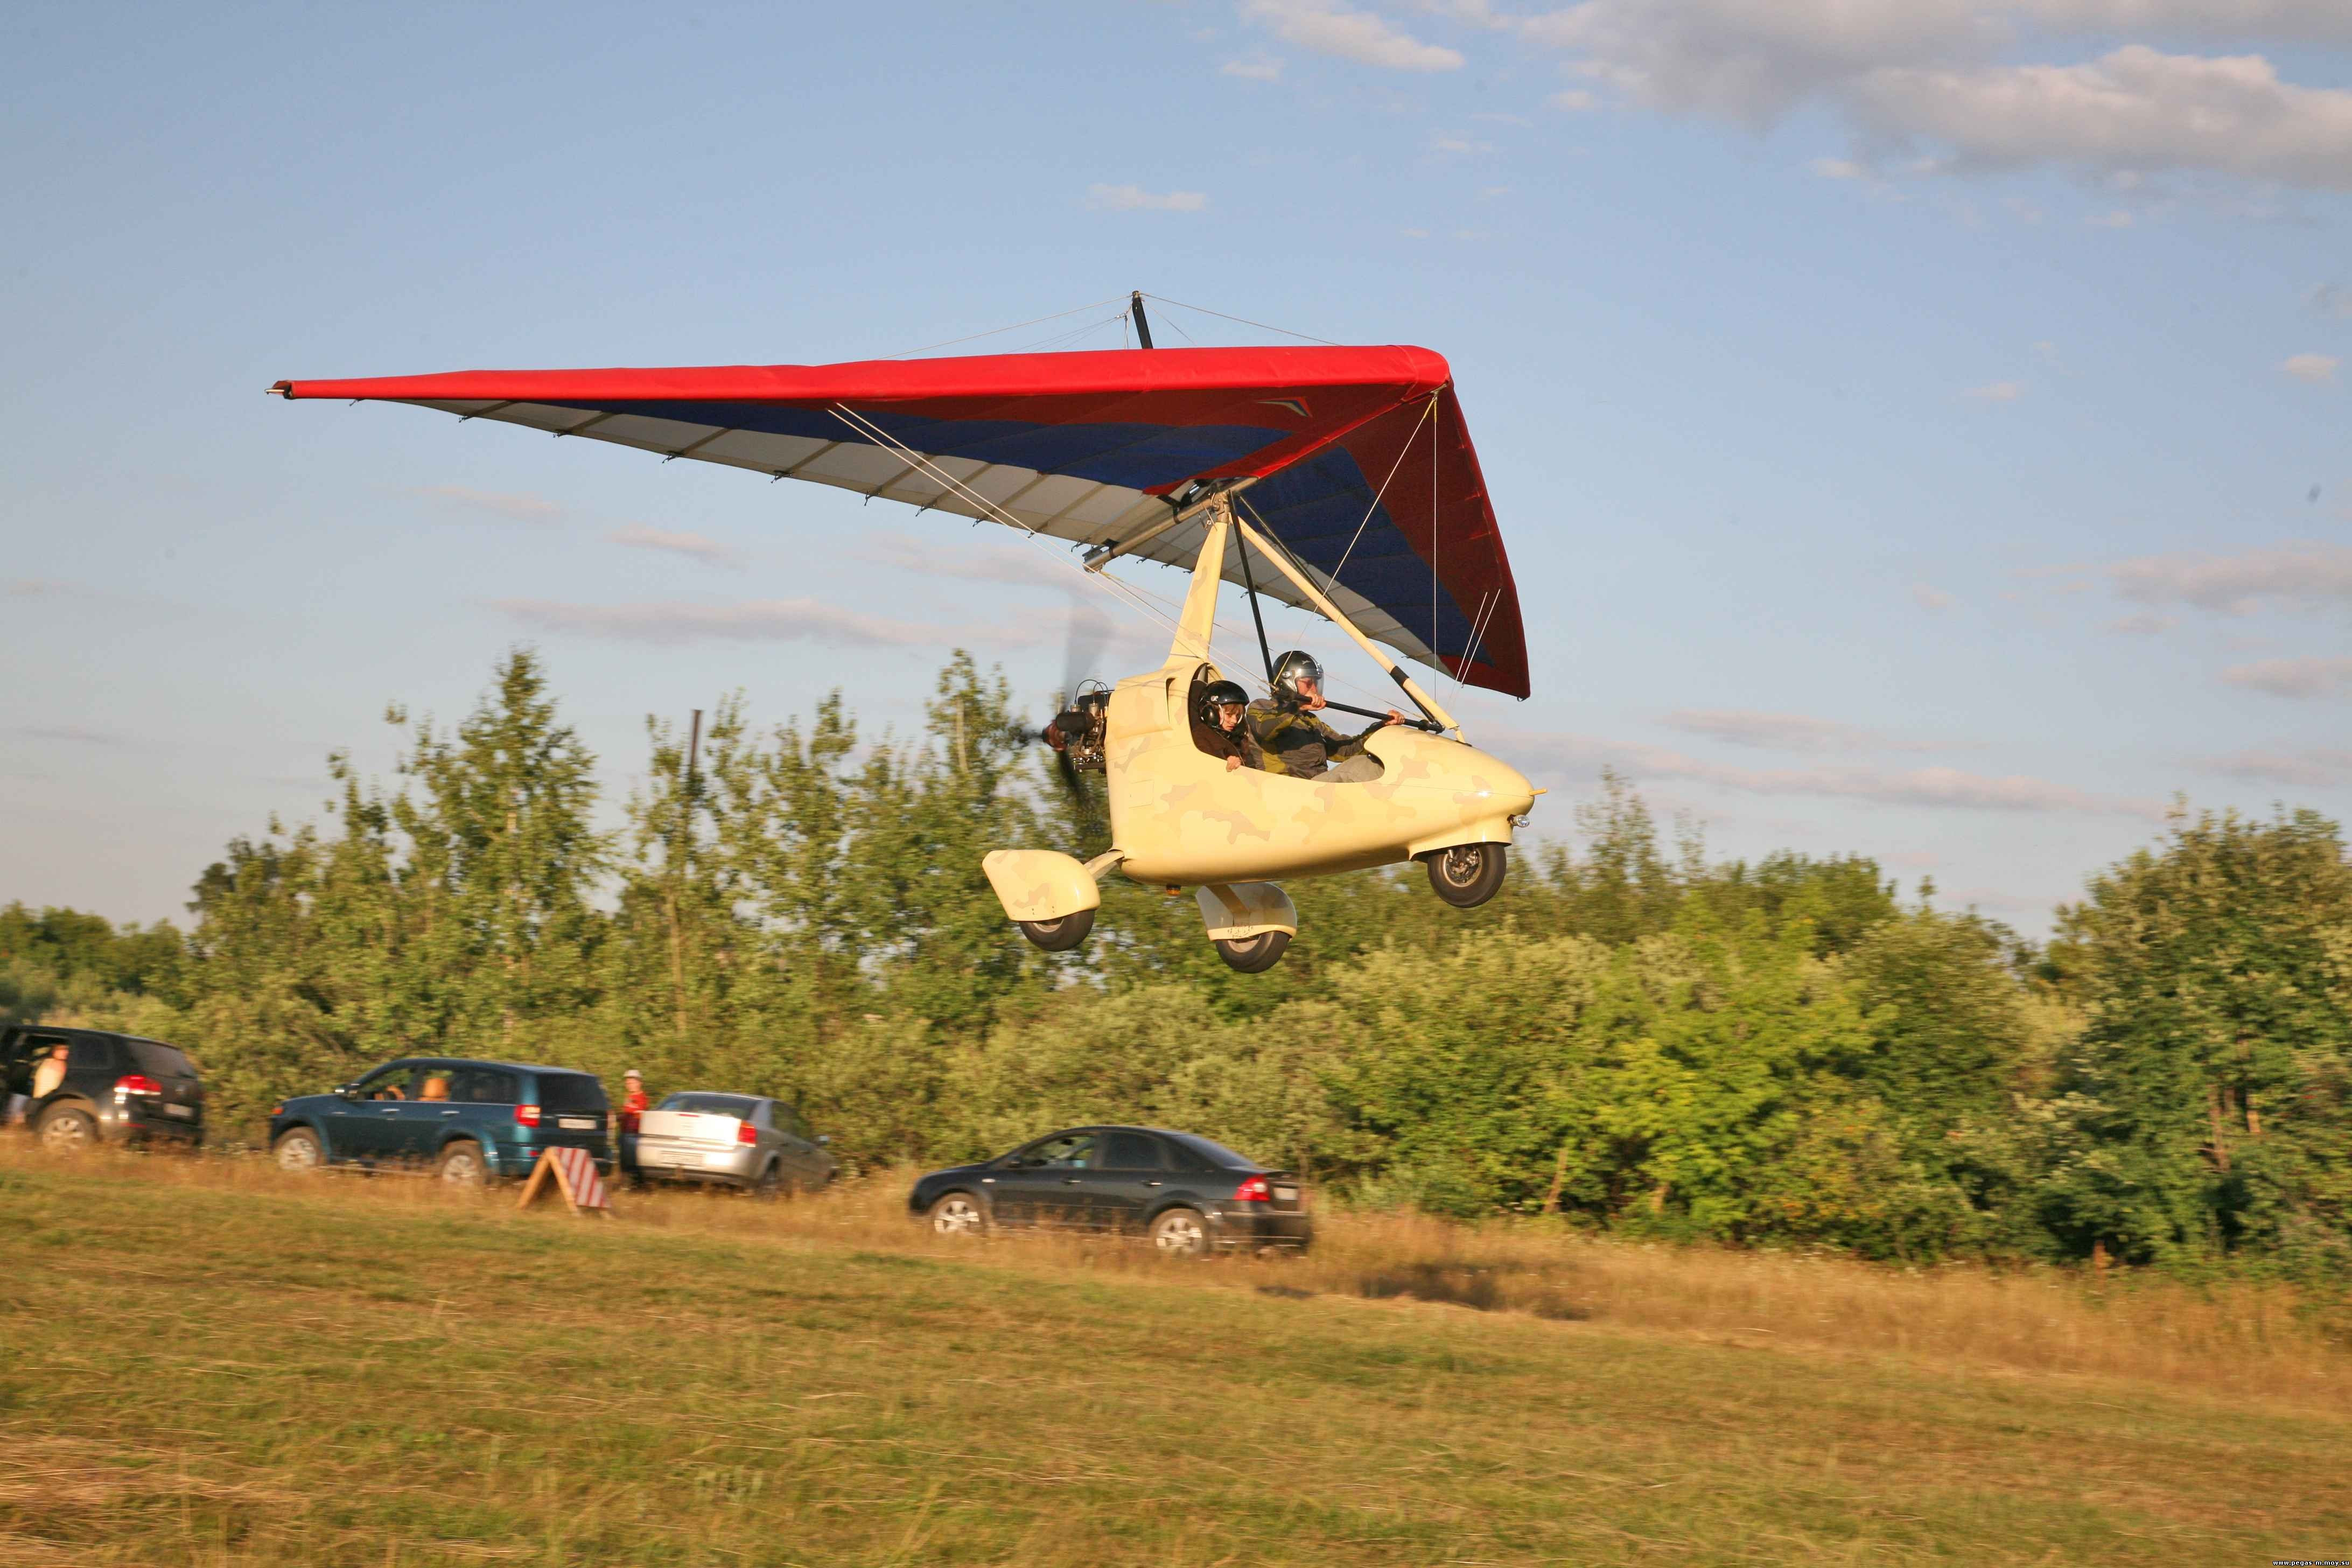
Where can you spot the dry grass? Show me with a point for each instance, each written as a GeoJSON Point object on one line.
{"type": "Point", "coordinates": [2237, 1340]}
{"type": "Point", "coordinates": [214, 1363]}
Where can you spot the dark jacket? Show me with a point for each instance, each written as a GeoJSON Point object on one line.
{"type": "Point", "coordinates": [1236, 743]}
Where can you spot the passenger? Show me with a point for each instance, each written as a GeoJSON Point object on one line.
{"type": "Point", "coordinates": [436, 1088]}
{"type": "Point", "coordinates": [1292, 741]}
{"type": "Point", "coordinates": [1218, 730]}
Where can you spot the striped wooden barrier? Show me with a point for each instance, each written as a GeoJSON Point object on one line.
{"type": "Point", "coordinates": [574, 1176]}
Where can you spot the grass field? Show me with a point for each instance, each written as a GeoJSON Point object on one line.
{"type": "Point", "coordinates": [209, 1362]}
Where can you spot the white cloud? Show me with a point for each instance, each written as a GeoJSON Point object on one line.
{"type": "Point", "coordinates": [512, 507]}
{"type": "Point", "coordinates": [1906, 71]}
{"type": "Point", "coordinates": [1997, 392]}
{"type": "Point", "coordinates": [1135, 198]}
{"type": "Point", "coordinates": [35, 587]}
{"type": "Point", "coordinates": [1935, 787]}
{"type": "Point", "coordinates": [1840, 169]}
{"type": "Point", "coordinates": [2305, 574]}
{"type": "Point", "coordinates": [1928, 598]}
{"type": "Point", "coordinates": [1574, 100]}
{"type": "Point", "coordinates": [709, 551]}
{"type": "Point", "coordinates": [2146, 623]}
{"type": "Point", "coordinates": [1254, 67]}
{"type": "Point", "coordinates": [2308, 770]}
{"type": "Point", "coordinates": [2133, 109]}
{"type": "Point", "coordinates": [2319, 370]}
{"type": "Point", "coordinates": [755, 620]}
{"type": "Point", "coordinates": [2114, 217]}
{"type": "Point", "coordinates": [2321, 675]}
{"type": "Point", "coordinates": [1460, 146]}
{"type": "Point", "coordinates": [1783, 732]}
{"type": "Point", "coordinates": [1331, 27]}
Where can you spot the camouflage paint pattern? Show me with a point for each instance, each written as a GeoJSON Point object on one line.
{"type": "Point", "coordinates": [1039, 884]}
{"type": "Point", "coordinates": [1236, 912]}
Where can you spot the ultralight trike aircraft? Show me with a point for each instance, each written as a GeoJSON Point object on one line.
{"type": "Point", "coordinates": [1340, 480]}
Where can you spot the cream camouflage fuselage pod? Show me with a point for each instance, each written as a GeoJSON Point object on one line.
{"type": "Point", "coordinates": [1180, 818]}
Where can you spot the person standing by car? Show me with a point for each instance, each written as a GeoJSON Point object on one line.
{"type": "Point", "coordinates": [630, 1115]}
{"type": "Point", "coordinates": [50, 1073]}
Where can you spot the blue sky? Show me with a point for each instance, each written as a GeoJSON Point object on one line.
{"type": "Point", "coordinates": [1918, 427]}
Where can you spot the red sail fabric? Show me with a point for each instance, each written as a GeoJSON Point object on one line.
{"type": "Point", "coordinates": [1360, 462]}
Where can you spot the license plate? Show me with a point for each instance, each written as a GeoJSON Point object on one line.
{"type": "Point", "coordinates": [1286, 1195]}
{"type": "Point", "coordinates": [577, 1123]}
{"type": "Point", "coordinates": [183, 1112]}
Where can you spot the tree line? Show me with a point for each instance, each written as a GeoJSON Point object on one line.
{"type": "Point", "coordinates": [1632, 1036]}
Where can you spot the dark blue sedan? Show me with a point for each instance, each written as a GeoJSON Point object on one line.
{"type": "Point", "coordinates": [1190, 1194]}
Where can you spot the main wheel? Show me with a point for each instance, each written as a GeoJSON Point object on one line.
{"type": "Point", "coordinates": [1180, 1233]}
{"type": "Point", "coordinates": [298, 1151]}
{"type": "Point", "coordinates": [1468, 874]}
{"type": "Point", "coordinates": [1254, 954]}
{"type": "Point", "coordinates": [67, 1131]}
{"type": "Point", "coordinates": [770, 1184]}
{"type": "Point", "coordinates": [461, 1165]}
{"type": "Point", "coordinates": [1061, 936]}
{"type": "Point", "coordinates": [958, 1214]}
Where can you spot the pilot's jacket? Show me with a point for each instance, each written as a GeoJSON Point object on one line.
{"type": "Point", "coordinates": [1295, 741]}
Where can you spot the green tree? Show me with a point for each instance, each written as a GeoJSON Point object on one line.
{"type": "Point", "coordinates": [2208, 1107]}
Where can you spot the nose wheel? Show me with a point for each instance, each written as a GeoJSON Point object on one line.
{"type": "Point", "coordinates": [1059, 935]}
{"type": "Point", "coordinates": [1468, 874]}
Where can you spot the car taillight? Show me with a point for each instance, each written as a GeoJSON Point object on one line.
{"type": "Point", "coordinates": [746, 1133]}
{"type": "Point", "coordinates": [1253, 1191]}
{"type": "Point", "coordinates": [137, 1083]}
{"type": "Point", "coordinates": [528, 1115]}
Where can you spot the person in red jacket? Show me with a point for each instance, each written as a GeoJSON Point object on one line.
{"type": "Point", "coordinates": [634, 1106]}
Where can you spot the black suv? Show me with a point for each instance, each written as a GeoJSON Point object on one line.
{"type": "Point", "coordinates": [118, 1088]}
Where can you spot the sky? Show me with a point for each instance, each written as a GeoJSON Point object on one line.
{"type": "Point", "coordinates": [1919, 428]}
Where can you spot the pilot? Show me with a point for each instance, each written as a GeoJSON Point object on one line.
{"type": "Point", "coordinates": [1217, 727]}
{"type": "Point", "coordinates": [1292, 741]}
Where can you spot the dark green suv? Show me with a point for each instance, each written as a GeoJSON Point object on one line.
{"type": "Point", "coordinates": [466, 1121]}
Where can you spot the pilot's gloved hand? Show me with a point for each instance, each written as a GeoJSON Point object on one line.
{"type": "Point", "coordinates": [1394, 718]}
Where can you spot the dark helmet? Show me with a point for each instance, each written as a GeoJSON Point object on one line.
{"type": "Point", "coordinates": [1293, 667]}
{"type": "Point", "coordinates": [1215, 695]}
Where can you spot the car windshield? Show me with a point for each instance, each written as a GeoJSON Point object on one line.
{"type": "Point", "coordinates": [740, 1105]}
{"type": "Point", "coordinates": [1216, 1153]}
{"type": "Point", "coordinates": [571, 1091]}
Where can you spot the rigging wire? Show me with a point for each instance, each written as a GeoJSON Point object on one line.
{"type": "Point", "coordinates": [1262, 326]}
{"type": "Point", "coordinates": [994, 331]}
{"type": "Point", "coordinates": [1333, 575]}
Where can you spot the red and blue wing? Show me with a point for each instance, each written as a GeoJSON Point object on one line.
{"type": "Point", "coordinates": [1362, 461]}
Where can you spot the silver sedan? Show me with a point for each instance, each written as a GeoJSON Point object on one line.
{"type": "Point", "coordinates": [744, 1141]}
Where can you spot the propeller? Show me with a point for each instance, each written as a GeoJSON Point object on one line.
{"type": "Point", "coordinates": [1074, 733]}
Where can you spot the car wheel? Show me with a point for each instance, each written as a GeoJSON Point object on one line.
{"type": "Point", "coordinates": [67, 1131]}
{"type": "Point", "coordinates": [1254, 954]}
{"type": "Point", "coordinates": [298, 1151]}
{"type": "Point", "coordinates": [1060, 935]}
{"type": "Point", "coordinates": [461, 1165]}
{"type": "Point", "coordinates": [1468, 874]}
{"type": "Point", "coordinates": [1180, 1233]}
{"type": "Point", "coordinates": [769, 1185]}
{"type": "Point", "coordinates": [958, 1214]}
